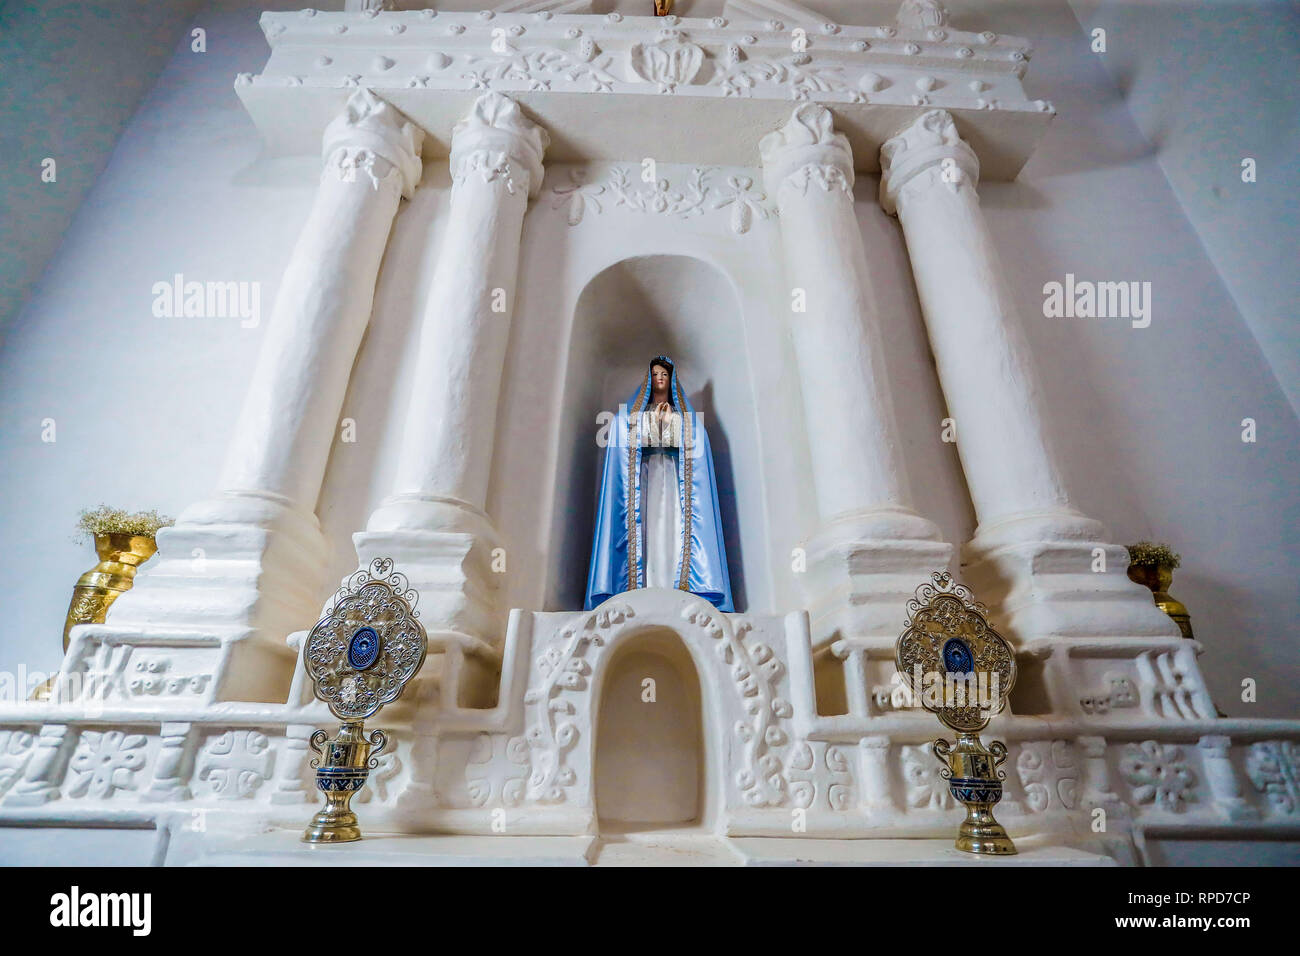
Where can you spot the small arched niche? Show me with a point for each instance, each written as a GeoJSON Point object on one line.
{"type": "Point", "coordinates": [650, 766]}
{"type": "Point", "coordinates": [628, 313]}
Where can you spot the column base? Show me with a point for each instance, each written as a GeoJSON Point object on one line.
{"type": "Point", "coordinates": [34, 797]}
{"type": "Point", "coordinates": [107, 666]}
{"type": "Point", "coordinates": [862, 569]}
{"type": "Point", "coordinates": [168, 793]}
{"type": "Point", "coordinates": [415, 511]}
{"type": "Point", "coordinates": [453, 572]}
{"type": "Point", "coordinates": [206, 620]}
{"type": "Point", "coordinates": [1035, 573]}
{"type": "Point", "coordinates": [448, 553]}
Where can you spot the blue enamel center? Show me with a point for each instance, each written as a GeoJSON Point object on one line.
{"type": "Point", "coordinates": [363, 649]}
{"type": "Point", "coordinates": [957, 657]}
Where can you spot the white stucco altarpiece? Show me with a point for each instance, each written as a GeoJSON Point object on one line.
{"type": "Point", "coordinates": [783, 735]}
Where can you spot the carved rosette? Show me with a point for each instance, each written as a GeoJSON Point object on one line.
{"type": "Point", "coordinates": [926, 153]}
{"type": "Point", "coordinates": [106, 762]}
{"type": "Point", "coordinates": [370, 141]}
{"type": "Point", "coordinates": [1158, 774]}
{"type": "Point", "coordinates": [806, 153]}
{"type": "Point", "coordinates": [498, 144]}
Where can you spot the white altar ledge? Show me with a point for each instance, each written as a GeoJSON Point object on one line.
{"type": "Point", "coordinates": [688, 847]}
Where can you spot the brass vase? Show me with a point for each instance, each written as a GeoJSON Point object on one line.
{"type": "Point", "coordinates": [975, 782]}
{"type": "Point", "coordinates": [96, 590]}
{"type": "Point", "coordinates": [1158, 577]}
{"type": "Point", "coordinates": [342, 765]}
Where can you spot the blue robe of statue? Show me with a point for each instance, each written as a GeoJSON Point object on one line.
{"type": "Point", "coordinates": [618, 548]}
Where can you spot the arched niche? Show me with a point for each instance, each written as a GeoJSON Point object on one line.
{"type": "Point", "coordinates": [626, 314]}
{"type": "Point", "coordinates": [649, 755]}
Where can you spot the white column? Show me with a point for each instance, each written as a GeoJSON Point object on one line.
{"type": "Point", "coordinates": [434, 522]}
{"type": "Point", "coordinates": [877, 794]}
{"type": "Point", "coordinates": [1225, 787]}
{"type": "Point", "coordinates": [249, 561]}
{"type": "Point", "coordinates": [871, 548]}
{"type": "Point", "coordinates": [1033, 552]}
{"type": "Point", "coordinates": [285, 430]}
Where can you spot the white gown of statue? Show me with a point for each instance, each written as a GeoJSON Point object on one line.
{"type": "Point", "coordinates": [661, 505]}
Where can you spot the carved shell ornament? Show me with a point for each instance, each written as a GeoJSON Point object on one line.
{"type": "Point", "coordinates": [369, 643]}
{"type": "Point", "coordinates": [948, 635]}
{"type": "Point", "coordinates": [668, 63]}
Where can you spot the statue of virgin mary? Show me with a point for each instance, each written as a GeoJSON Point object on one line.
{"type": "Point", "coordinates": [658, 523]}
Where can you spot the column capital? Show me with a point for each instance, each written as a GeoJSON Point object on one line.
{"type": "Point", "coordinates": [921, 14]}
{"type": "Point", "coordinates": [494, 136]}
{"type": "Point", "coordinates": [932, 144]}
{"type": "Point", "coordinates": [807, 150]}
{"type": "Point", "coordinates": [368, 129]}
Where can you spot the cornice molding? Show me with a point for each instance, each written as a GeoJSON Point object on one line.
{"type": "Point", "coordinates": [733, 79]}
{"type": "Point", "coordinates": [427, 49]}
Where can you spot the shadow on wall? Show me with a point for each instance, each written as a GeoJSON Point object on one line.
{"type": "Point", "coordinates": [627, 314]}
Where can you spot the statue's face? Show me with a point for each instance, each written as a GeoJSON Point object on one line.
{"type": "Point", "coordinates": [659, 378]}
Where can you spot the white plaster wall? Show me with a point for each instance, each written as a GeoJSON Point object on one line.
{"type": "Point", "coordinates": [1209, 83]}
{"type": "Point", "coordinates": [57, 105]}
{"type": "Point", "coordinates": [1151, 417]}
{"type": "Point", "coordinates": [143, 406]}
